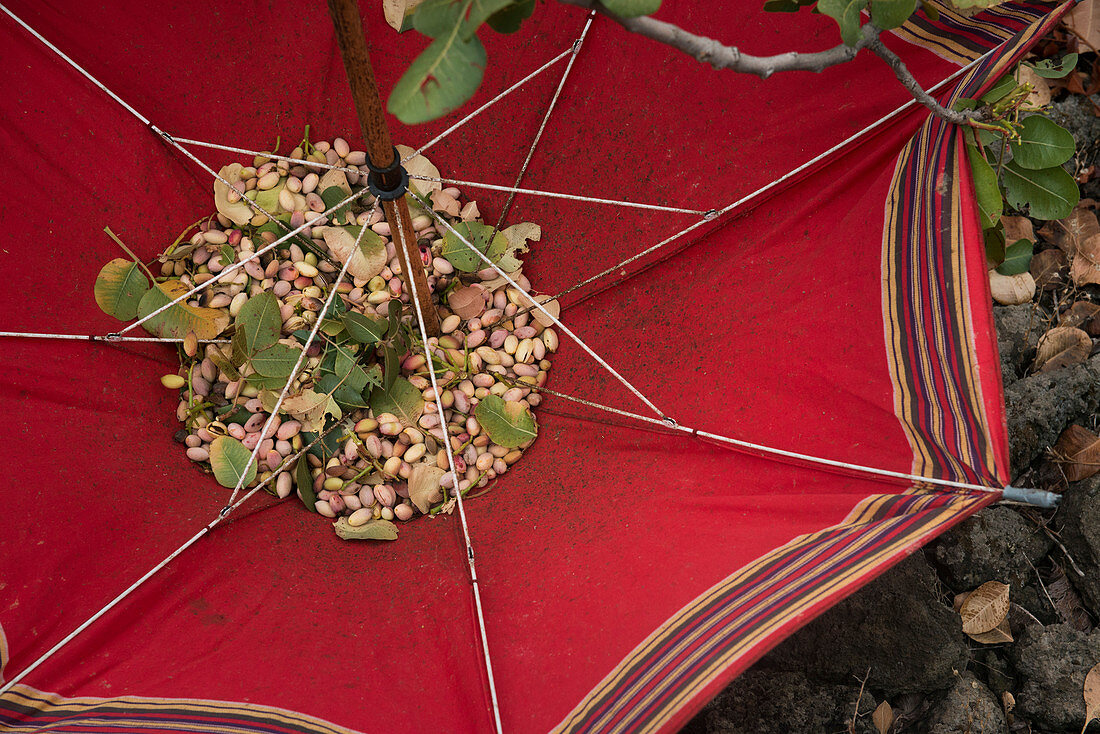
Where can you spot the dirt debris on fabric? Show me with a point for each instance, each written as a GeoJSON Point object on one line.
{"type": "Point", "coordinates": [899, 640]}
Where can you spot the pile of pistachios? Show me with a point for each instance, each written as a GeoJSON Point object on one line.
{"type": "Point", "coordinates": [333, 391]}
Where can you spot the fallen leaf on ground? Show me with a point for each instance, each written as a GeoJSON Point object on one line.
{"type": "Point", "coordinates": [999, 635]}
{"type": "Point", "coordinates": [424, 489]}
{"type": "Point", "coordinates": [1092, 695]}
{"type": "Point", "coordinates": [1040, 87]}
{"type": "Point", "coordinates": [1086, 263]}
{"type": "Point", "coordinates": [1060, 347]}
{"type": "Point", "coordinates": [1018, 228]}
{"type": "Point", "coordinates": [1084, 20]}
{"type": "Point", "coordinates": [1078, 452]}
{"type": "Point", "coordinates": [1047, 268]}
{"type": "Point", "coordinates": [883, 717]}
{"type": "Point", "coordinates": [445, 203]}
{"type": "Point", "coordinates": [1070, 232]}
{"type": "Point", "coordinates": [1010, 290]}
{"type": "Point", "coordinates": [1079, 315]}
{"type": "Point", "coordinates": [985, 608]}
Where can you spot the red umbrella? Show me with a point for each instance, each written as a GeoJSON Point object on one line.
{"type": "Point", "coordinates": [628, 568]}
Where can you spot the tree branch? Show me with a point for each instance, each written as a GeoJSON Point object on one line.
{"type": "Point", "coordinates": [720, 56]}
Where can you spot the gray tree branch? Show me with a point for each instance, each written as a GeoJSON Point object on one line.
{"type": "Point", "coordinates": [720, 56]}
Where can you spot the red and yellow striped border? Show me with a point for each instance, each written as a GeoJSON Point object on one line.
{"type": "Point", "coordinates": [939, 400]}
{"type": "Point", "coordinates": [961, 38]}
{"type": "Point", "coordinates": [25, 710]}
{"type": "Point", "coordinates": [664, 680]}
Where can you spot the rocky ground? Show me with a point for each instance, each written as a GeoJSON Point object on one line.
{"type": "Point", "coordinates": [899, 639]}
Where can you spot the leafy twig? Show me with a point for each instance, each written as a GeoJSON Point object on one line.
{"type": "Point", "coordinates": [129, 252]}
{"type": "Point", "coordinates": [720, 56]}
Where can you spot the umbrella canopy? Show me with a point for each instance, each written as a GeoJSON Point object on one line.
{"type": "Point", "coordinates": [628, 569]}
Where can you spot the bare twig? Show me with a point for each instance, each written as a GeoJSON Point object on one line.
{"type": "Point", "coordinates": [720, 56]}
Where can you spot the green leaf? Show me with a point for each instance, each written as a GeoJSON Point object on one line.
{"type": "Point", "coordinates": [965, 103]}
{"type": "Point", "coordinates": [930, 10]}
{"type": "Point", "coordinates": [508, 423]}
{"type": "Point", "coordinates": [260, 322]}
{"type": "Point", "coordinates": [174, 323]}
{"type": "Point", "coordinates": [1049, 69]}
{"type": "Point", "coordinates": [349, 372]}
{"type": "Point", "coordinates": [224, 365]}
{"type": "Point", "coordinates": [371, 530]}
{"type": "Point", "coordinates": [786, 6]}
{"type": "Point", "coordinates": [119, 288]}
{"type": "Point", "coordinates": [230, 461]}
{"type": "Point", "coordinates": [995, 244]}
{"type": "Point", "coordinates": [401, 399]}
{"type": "Point", "coordinates": [846, 14]}
{"type": "Point", "coordinates": [1042, 144]}
{"type": "Point", "coordinates": [276, 361]}
{"type": "Point", "coordinates": [443, 77]}
{"type": "Point", "coordinates": [304, 479]}
{"type": "Point", "coordinates": [332, 196]}
{"type": "Point", "coordinates": [435, 18]}
{"type": "Point", "coordinates": [393, 368]}
{"type": "Point", "coordinates": [393, 322]}
{"type": "Point", "coordinates": [1017, 258]}
{"type": "Point", "coordinates": [364, 329]}
{"type": "Point", "coordinates": [999, 90]}
{"type": "Point", "coordinates": [1049, 193]}
{"type": "Point", "coordinates": [511, 18]}
{"type": "Point", "coordinates": [632, 8]}
{"type": "Point", "coordinates": [986, 190]}
{"type": "Point", "coordinates": [458, 254]}
{"type": "Point", "coordinates": [887, 14]}
{"type": "Point", "coordinates": [269, 198]}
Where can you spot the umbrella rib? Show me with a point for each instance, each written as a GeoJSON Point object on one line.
{"type": "Point", "coordinates": [294, 371]}
{"type": "Point", "coordinates": [771, 450]}
{"type": "Point", "coordinates": [241, 263]}
{"type": "Point", "coordinates": [715, 213]}
{"type": "Point", "coordinates": [407, 266]}
{"type": "Point", "coordinates": [222, 514]}
{"type": "Point", "coordinates": [707, 214]}
{"type": "Point", "coordinates": [429, 144]}
{"type": "Point", "coordinates": [546, 118]}
{"type": "Point", "coordinates": [569, 332]}
{"type": "Point", "coordinates": [100, 338]}
{"type": "Point", "coordinates": [489, 104]}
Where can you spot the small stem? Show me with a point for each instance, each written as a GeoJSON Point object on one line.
{"type": "Point", "coordinates": [129, 252]}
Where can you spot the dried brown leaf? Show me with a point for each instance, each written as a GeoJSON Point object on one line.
{"type": "Point", "coordinates": [398, 11]}
{"type": "Point", "coordinates": [424, 489]}
{"type": "Point", "coordinates": [1018, 228]}
{"type": "Point", "coordinates": [1048, 269]}
{"type": "Point", "coordinates": [1086, 263]}
{"type": "Point", "coordinates": [957, 603]}
{"type": "Point", "coordinates": [1078, 451]}
{"type": "Point", "coordinates": [1092, 695]}
{"type": "Point", "coordinates": [883, 717]}
{"type": "Point", "coordinates": [1070, 232]}
{"type": "Point", "coordinates": [985, 608]}
{"type": "Point", "coordinates": [1061, 347]}
{"type": "Point", "coordinates": [1080, 314]}
{"type": "Point", "coordinates": [1010, 290]}
{"type": "Point", "coordinates": [1084, 21]}
{"type": "Point", "coordinates": [445, 203]}
{"type": "Point", "coordinates": [1067, 602]}
{"type": "Point", "coordinates": [999, 635]}
{"type": "Point", "coordinates": [467, 301]}
{"type": "Point", "coordinates": [1040, 87]}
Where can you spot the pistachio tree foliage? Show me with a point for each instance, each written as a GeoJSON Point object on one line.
{"type": "Point", "coordinates": [1017, 155]}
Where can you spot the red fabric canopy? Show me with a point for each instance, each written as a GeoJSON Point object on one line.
{"type": "Point", "coordinates": [628, 571]}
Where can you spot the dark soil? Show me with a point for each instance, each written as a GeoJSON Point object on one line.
{"type": "Point", "coordinates": [899, 639]}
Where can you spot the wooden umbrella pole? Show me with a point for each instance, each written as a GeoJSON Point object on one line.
{"type": "Point", "coordinates": [387, 174]}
